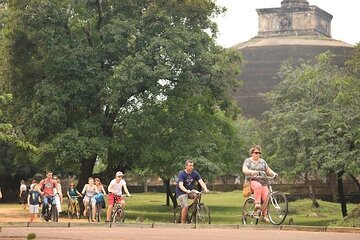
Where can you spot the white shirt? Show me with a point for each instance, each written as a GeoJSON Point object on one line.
{"type": "Point", "coordinates": [115, 187]}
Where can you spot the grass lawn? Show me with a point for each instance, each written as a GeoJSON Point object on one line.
{"type": "Point", "coordinates": [225, 208]}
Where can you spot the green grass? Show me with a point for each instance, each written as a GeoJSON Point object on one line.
{"type": "Point", "coordinates": [226, 208]}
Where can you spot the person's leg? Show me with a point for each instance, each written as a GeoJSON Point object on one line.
{"type": "Point", "coordinates": [264, 195]}
{"type": "Point", "coordinates": [110, 206]}
{"type": "Point", "coordinates": [86, 204]}
{"type": "Point", "coordinates": [183, 202]}
{"type": "Point", "coordinates": [122, 202]}
{"type": "Point", "coordinates": [93, 205]}
{"type": "Point", "coordinates": [44, 205]}
{"type": "Point", "coordinates": [257, 189]}
{"type": "Point", "coordinates": [36, 211]}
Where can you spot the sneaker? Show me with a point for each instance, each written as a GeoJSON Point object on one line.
{"type": "Point", "coordinates": [265, 219]}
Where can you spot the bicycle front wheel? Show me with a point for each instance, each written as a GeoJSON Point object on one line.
{"type": "Point", "coordinates": [54, 214]}
{"type": "Point", "coordinates": [248, 216]}
{"type": "Point", "coordinates": [98, 211]}
{"type": "Point", "coordinates": [177, 215]}
{"type": "Point", "coordinates": [277, 208]}
{"type": "Point", "coordinates": [202, 214]}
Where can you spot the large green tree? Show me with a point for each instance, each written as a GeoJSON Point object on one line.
{"type": "Point", "coordinates": [313, 125]}
{"type": "Point", "coordinates": [78, 68]}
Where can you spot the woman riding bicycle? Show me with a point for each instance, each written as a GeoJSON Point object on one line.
{"type": "Point", "coordinates": [256, 169]}
{"type": "Point", "coordinates": [100, 196]}
{"type": "Point", "coordinates": [73, 193]}
{"type": "Point", "coordinates": [89, 191]}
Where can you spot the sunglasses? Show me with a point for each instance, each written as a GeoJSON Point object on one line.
{"type": "Point", "coordinates": [257, 152]}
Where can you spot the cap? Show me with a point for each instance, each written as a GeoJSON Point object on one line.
{"type": "Point", "coordinates": [118, 174]}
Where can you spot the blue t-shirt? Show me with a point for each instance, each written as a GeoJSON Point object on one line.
{"type": "Point", "coordinates": [188, 181]}
{"type": "Point", "coordinates": [34, 197]}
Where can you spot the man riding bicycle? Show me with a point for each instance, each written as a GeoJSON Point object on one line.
{"type": "Point", "coordinates": [185, 183]}
{"type": "Point", "coordinates": [115, 192]}
{"type": "Point", "coordinates": [47, 188]}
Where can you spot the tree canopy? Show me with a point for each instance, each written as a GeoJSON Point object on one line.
{"type": "Point", "coordinates": [80, 69]}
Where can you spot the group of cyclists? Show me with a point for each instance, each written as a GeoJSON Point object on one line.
{"type": "Point", "coordinates": [253, 167]}
{"type": "Point", "coordinates": [93, 193]}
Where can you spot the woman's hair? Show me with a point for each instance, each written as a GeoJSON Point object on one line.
{"type": "Point", "coordinates": [253, 148]}
{"type": "Point", "coordinates": [98, 180]}
{"type": "Point", "coordinates": [22, 182]}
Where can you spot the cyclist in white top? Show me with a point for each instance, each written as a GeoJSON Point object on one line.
{"type": "Point", "coordinates": [89, 191]}
{"type": "Point", "coordinates": [115, 191]}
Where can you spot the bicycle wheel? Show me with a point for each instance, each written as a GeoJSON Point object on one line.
{"type": "Point", "coordinates": [117, 216]}
{"type": "Point", "coordinates": [248, 212]}
{"type": "Point", "coordinates": [177, 215]}
{"type": "Point", "coordinates": [89, 212]}
{"type": "Point", "coordinates": [202, 214]}
{"type": "Point", "coordinates": [277, 208]}
{"type": "Point", "coordinates": [54, 214]}
{"type": "Point", "coordinates": [77, 210]}
{"type": "Point", "coordinates": [70, 210]}
{"type": "Point", "coordinates": [98, 211]}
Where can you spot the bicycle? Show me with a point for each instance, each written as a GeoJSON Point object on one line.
{"type": "Point", "coordinates": [51, 212]}
{"type": "Point", "coordinates": [98, 206]}
{"type": "Point", "coordinates": [118, 212]}
{"type": "Point", "coordinates": [199, 212]}
{"type": "Point", "coordinates": [89, 213]}
{"type": "Point", "coordinates": [74, 208]}
{"type": "Point", "coordinates": [275, 206]}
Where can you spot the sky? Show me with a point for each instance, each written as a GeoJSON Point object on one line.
{"type": "Point", "coordinates": [240, 22]}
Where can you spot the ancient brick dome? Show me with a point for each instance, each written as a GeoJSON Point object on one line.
{"type": "Point", "coordinates": [294, 31]}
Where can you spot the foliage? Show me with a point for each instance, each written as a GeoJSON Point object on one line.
{"type": "Point", "coordinates": [80, 71]}
{"type": "Point", "coordinates": [314, 120]}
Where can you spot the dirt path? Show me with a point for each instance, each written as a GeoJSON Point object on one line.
{"type": "Point", "coordinates": [15, 213]}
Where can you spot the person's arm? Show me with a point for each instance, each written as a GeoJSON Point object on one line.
{"type": "Point", "coordinates": [78, 193]}
{"type": "Point", "coordinates": [103, 190]}
{"type": "Point", "coordinates": [203, 185]}
{"type": "Point", "coordinates": [84, 189]}
{"type": "Point", "coordinates": [270, 172]}
{"type": "Point", "coordinates": [248, 171]}
{"type": "Point", "coordinates": [181, 186]}
{"type": "Point", "coordinates": [127, 191]}
{"type": "Point", "coordinates": [41, 184]}
{"type": "Point", "coordinates": [28, 200]}
{"type": "Point", "coordinates": [110, 187]}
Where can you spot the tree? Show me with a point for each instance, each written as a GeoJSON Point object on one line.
{"type": "Point", "coordinates": [312, 120]}
{"type": "Point", "coordinates": [79, 68]}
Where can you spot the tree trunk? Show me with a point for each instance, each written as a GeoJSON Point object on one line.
{"type": "Point", "coordinates": [86, 170]}
{"type": "Point", "coordinates": [169, 194]}
{"type": "Point", "coordinates": [341, 193]}
{"type": "Point", "coordinates": [355, 181]}
{"type": "Point", "coordinates": [333, 181]}
{"type": "Point", "coordinates": [309, 186]}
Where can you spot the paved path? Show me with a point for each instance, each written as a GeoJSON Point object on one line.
{"type": "Point", "coordinates": [166, 233]}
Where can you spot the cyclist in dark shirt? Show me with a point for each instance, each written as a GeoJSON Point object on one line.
{"type": "Point", "coordinates": [184, 185]}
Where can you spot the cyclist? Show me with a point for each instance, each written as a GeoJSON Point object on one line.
{"type": "Point", "coordinates": [115, 190]}
{"type": "Point", "coordinates": [100, 196]}
{"type": "Point", "coordinates": [73, 193]}
{"type": "Point", "coordinates": [256, 169]}
{"type": "Point", "coordinates": [184, 185]}
{"type": "Point", "coordinates": [89, 191]}
{"type": "Point", "coordinates": [47, 188]}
